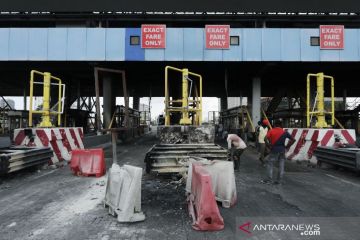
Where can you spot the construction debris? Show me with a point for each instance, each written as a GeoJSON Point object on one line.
{"type": "Point", "coordinates": [174, 158]}
{"type": "Point", "coordinates": [16, 158]}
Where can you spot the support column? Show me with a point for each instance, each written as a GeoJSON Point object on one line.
{"type": "Point", "coordinates": [108, 101]}
{"type": "Point", "coordinates": [256, 100]}
{"type": "Point", "coordinates": [136, 103]}
{"type": "Point", "coordinates": [223, 103]}
{"type": "Point", "coordinates": [344, 99]}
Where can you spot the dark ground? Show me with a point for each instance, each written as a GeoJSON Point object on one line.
{"type": "Point", "coordinates": [54, 204]}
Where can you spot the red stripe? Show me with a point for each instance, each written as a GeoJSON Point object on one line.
{"type": "Point", "coordinates": [347, 136]}
{"type": "Point", "coordinates": [314, 143]}
{"type": "Point", "coordinates": [81, 133]}
{"type": "Point", "coordinates": [300, 143]}
{"type": "Point", "coordinates": [73, 135]}
{"type": "Point", "coordinates": [43, 137]}
{"type": "Point", "coordinates": [327, 137]}
{"type": "Point", "coordinates": [293, 134]}
{"type": "Point", "coordinates": [55, 147]}
{"type": "Point", "coordinates": [65, 141]}
{"type": "Point", "coordinates": [20, 137]}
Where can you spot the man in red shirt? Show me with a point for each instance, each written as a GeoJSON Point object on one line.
{"type": "Point", "coordinates": [276, 138]}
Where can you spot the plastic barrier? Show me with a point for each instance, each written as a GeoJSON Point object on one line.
{"type": "Point", "coordinates": [202, 204]}
{"type": "Point", "coordinates": [123, 193]}
{"type": "Point", "coordinates": [308, 139]}
{"type": "Point", "coordinates": [61, 140]}
{"type": "Point", "coordinates": [88, 162]}
{"type": "Point", "coordinates": [223, 180]}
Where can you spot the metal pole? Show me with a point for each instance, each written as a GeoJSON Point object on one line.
{"type": "Point", "coordinates": [308, 101]}
{"type": "Point", "coordinates": [114, 149]}
{"type": "Point", "coordinates": [167, 113]}
{"type": "Point", "coordinates": [126, 99]}
{"type": "Point", "coordinates": [45, 121]}
{"type": "Point", "coordinates": [25, 99]}
{"type": "Point", "coordinates": [321, 122]}
{"type": "Point", "coordinates": [185, 103]}
{"type": "Point", "coordinates": [97, 90]}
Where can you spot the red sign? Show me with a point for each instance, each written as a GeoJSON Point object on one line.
{"type": "Point", "coordinates": [217, 36]}
{"type": "Point", "coordinates": [331, 37]}
{"type": "Point", "coordinates": [153, 36]}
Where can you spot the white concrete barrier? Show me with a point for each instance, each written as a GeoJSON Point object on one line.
{"type": "Point", "coordinates": [223, 180]}
{"type": "Point", "coordinates": [308, 139]}
{"type": "Point", "coordinates": [123, 193]}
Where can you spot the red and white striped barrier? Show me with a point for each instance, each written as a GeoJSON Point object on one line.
{"type": "Point", "coordinates": [307, 139]}
{"type": "Point", "coordinates": [61, 140]}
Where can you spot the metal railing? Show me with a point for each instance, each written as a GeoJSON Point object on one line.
{"type": "Point", "coordinates": [46, 110]}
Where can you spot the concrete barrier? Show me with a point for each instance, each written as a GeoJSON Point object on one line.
{"type": "Point", "coordinates": [222, 178]}
{"type": "Point", "coordinates": [308, 139]}
{"type": "Point", "coordinates": [61, 140]}
{"type": "Point", "coordinates": [123, 193]}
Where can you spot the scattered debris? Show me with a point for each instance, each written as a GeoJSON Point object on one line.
{"type": "Point", "coordinates": [13, 224]}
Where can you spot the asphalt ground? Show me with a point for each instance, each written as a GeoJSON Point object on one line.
{"type": "Point", "coordinates": [54, 204]}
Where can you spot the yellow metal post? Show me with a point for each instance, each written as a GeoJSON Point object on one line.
{"type": "Point", "coordinates": [320, 111]}
{"type": "Point", "coordinates": [59, 103]}
{"type": "Point", "coordinates": [167, 98]}
{"type": "Point", "coordinates": [31, 98]}
{"type": "Point", "coordinates": [45, 111]}
{"type": "Point", "coordinates": [321, 122]}
{"type": "Point", "coordinates": [189, 106]}
{"type": "Point", "coordinates": [45, 121]}
{"type": "Point", "coordinates": [185, 120]}
{"type": "Point", "coordinates": [308, 100]}
{"type": "Point", "coordinates": [332, 101]}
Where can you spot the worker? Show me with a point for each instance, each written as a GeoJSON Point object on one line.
{"type": "Point", "coordinates": [338, 143]}
{"type": "Point", "coordinates": [236, 147]}
{"type": "Point", "coordinates": [276, 138]}
{"type": "Point", "coordinates": [263, 130]}
{"type": "Point", "coordinates": [257, 129]}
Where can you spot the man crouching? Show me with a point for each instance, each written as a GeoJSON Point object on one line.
{"type": "Point", "coordinates": [236, 147]}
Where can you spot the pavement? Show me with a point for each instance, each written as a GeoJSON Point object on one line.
{"type": "Point", "coordinates": [54, 204]}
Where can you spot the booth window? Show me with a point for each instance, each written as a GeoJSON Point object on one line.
{"type": "Point", "coordinates": [234, 40]}
{"type": "Point", "coordinates": [134, 40]}
{"type": "Point", "coordinates": [314, 41]}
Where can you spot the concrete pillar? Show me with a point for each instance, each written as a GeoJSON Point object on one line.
{"type": "Point", "coordinates": [136, 103]}
{"type": "Point", "coordinates": [223, 103]}
{"type": "Point", "coordinates": [108, 101]}
{"type": "Point", "coordinates": [256, 100]}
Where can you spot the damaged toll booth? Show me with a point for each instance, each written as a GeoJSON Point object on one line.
{"type": "Point", "coordinates": [236, 120]}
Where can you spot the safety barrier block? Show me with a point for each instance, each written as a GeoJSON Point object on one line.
{"type": "Point", "coordinates": [123, 193]}
{"type": "Point", "coordinates": [201, 202]}
{"type": "Point", "coordinates": [88, 162]}
{"type": "Point", "coordinates": [308, 139]}
{"type": "Point", "coordinates": [222, 178]}
{"type": "Point", "coordinates": [61, 140]}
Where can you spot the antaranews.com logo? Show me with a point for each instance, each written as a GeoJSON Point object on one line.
{"type": "Point", "coordinates": [297, 228]}
{"type": "Point", "coordinates": [302, 229]}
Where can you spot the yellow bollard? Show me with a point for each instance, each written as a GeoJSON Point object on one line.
{"type": "Point", "coordinates": [45, 118]}
{"type": "Point", "coordinates": [185, 120]}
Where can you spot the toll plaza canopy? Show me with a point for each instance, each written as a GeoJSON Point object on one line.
{"type": "Point", "coordinates": [81, 6]}
{"type": "Point", "coordinates": [281, 57]}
